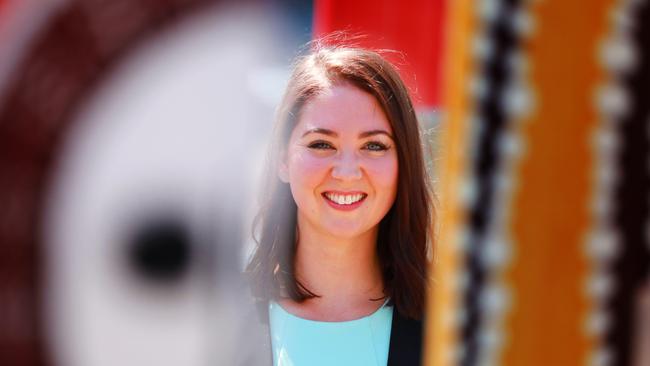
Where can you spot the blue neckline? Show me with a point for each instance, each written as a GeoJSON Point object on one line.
{"type": "Point", "coordinates": [352, 321]}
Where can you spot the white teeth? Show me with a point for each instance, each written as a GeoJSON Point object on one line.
{"type": "Point", "coordinates": [344, 199]}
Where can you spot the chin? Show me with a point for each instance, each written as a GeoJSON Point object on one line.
{"type": "Point", "coordinates": [349, 231]}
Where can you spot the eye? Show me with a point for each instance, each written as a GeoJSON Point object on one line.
{"type": "Point", "coordinates": [375, 146]}
{"type": "Point", "coordinates": [320, 145]}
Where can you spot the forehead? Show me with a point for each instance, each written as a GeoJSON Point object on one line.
{"type": "Point", "coordinates": [343, 108]}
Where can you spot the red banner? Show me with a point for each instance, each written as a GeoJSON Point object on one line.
{"type": "Point", "coordinates": [415, 28]}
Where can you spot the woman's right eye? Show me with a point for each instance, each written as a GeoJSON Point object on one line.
{"type": "Point", "coordinates": [320, 145]}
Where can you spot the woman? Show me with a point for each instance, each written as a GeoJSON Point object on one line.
{"type": "Point", "coordinates": [340, 267]}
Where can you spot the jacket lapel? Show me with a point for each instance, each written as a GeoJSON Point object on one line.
{"type": "Point", "coordinates": [405, 347]}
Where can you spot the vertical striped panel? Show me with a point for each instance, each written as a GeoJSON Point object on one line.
{"type": "Point", "coordinates": [444, 299]}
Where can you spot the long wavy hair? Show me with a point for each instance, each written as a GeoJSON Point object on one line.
{"type": "Point", "coordinates": [404, 233]}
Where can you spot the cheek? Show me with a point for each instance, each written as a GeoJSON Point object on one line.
{"type": "Point", "coordinates": [383, 172]}
{"type": "Point", "coordinates": [305, 169]}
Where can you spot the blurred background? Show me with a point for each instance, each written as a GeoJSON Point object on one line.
{"type": "Point", "coordinates": [133, 133]}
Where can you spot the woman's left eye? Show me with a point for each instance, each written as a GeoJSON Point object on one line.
{"type": "Point", "coordinates": [375, 146]}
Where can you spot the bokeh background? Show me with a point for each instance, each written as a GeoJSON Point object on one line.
{"type": "Point", "coordinates": [133, 133]}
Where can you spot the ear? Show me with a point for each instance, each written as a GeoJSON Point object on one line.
{"type": "Point", "coordinates": [283, 170]}
{"type": "Point", "coordinates": [283, 173]}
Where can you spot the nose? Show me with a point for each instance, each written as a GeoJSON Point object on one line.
{"type": "Point", "coordinates": [347, 167]}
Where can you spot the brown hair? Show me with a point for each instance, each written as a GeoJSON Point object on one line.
{"type": "Point", "coordinates": [403, 232]}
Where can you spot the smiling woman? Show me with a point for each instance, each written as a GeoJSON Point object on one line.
{"type": "Point", "coordinates": [343, 175]}
{"type": "Point", "coordinates": [340, 267]}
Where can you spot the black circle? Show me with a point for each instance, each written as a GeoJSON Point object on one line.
{"type": "Point", "coordinates": [159, 250]}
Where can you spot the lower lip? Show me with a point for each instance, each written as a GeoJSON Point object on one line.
{"type": "Point", "coordinates": [349, 207]}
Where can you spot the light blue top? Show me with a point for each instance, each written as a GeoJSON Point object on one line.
{"type": "Point", "coordinates": [301, 342]}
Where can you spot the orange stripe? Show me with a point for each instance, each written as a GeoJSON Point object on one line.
{"type": "Point", "coordinates": [443, 299]}
{"type": "Point", "coordinates": [550, 215]}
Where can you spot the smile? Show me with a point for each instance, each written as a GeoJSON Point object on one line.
{"type": "Point", "coordinates": [344, 199]}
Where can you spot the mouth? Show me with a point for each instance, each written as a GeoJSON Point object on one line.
{"type": "Point", "coordinates": [344, 201]}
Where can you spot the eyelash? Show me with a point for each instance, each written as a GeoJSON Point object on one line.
{"type": "Point", "coordinates": [320, 145]}
{"type": "Point", "coordinates": [323, 145]}
{"type": "Point", "coordinates": [381, 146]}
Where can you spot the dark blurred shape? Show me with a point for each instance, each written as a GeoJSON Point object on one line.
{"type": "Point", "coordinates": [630, 216]}
{"type": "Point", "coordinates": [160, 250]}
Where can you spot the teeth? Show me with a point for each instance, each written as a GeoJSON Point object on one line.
{"type": "Point", "coordinates": [347, 199]}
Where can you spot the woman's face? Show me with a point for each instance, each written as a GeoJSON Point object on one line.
{"type": "Point", "coordinates": [341, 163]}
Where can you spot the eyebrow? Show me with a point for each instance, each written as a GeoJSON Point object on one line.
{"type": "Point", "coordinates": [365, 134]}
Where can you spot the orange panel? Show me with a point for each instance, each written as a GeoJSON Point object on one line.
{"type": "Point", "coordinates": [551, 208]}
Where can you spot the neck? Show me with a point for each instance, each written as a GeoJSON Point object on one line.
{"type": "Point", "coordinates": [344, 272]}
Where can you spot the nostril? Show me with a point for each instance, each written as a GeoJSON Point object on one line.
{"type": "Point", "coordinates": [347, 171]}
{"type": "Point", "coordinates": [347, 174]}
